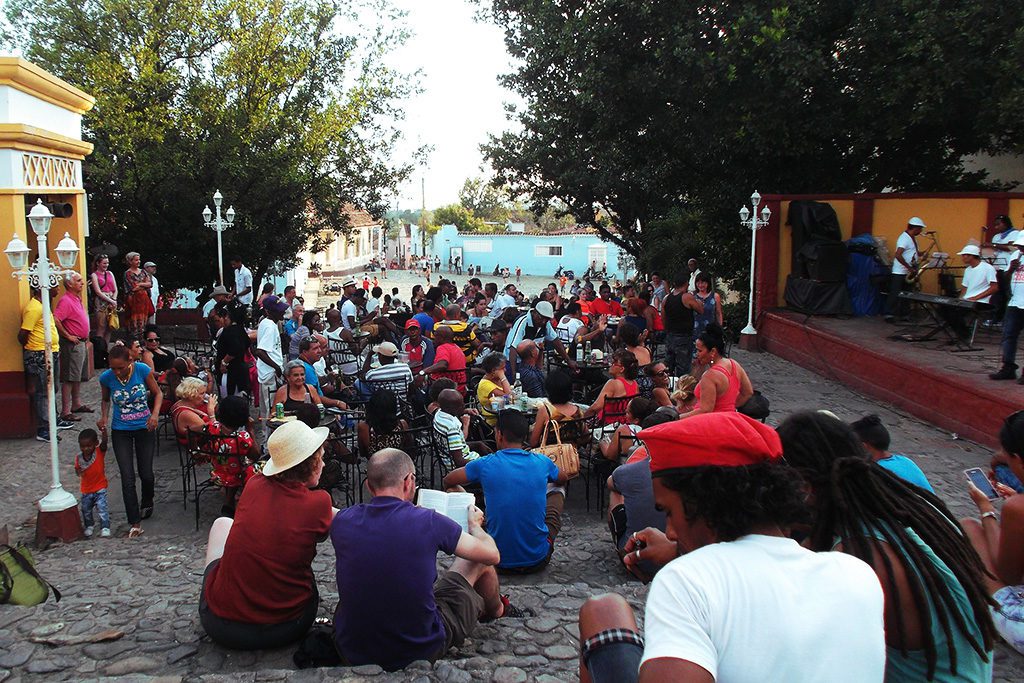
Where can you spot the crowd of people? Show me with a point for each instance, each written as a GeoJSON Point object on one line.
{"type": "Point", "coordinates": [816, 527]}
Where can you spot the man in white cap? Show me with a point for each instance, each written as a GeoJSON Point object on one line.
{"type": "Point", "coordinates": [154, 292]}
{"type": "Point", "coordinates": [980, 281]}
{"type": "Point", "coordinates": [1013, 319]}
{"type": "Point", "coordinates": [904, 262]}
{"type": "Point", "coordinates": [536, 325]}
{"type": "Point", "coordinates": [390, 370]}
{"type": "Point", "coordinates": [348, 287]}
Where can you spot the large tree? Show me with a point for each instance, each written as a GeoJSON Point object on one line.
{"type": "Point", "coordinates": [287, 107]}
{"type": "Point", "coordinates": [676, 111]}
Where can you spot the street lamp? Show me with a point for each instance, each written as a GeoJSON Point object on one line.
{"type": "Point", "coordinates": [219, 225]}
{"type": "Point", "coordinates": [44, 276]}
{"type": "Point", "coordinates": [749, 218]}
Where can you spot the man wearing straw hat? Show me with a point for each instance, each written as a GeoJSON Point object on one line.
{"type": "Point", "coordinates": [258, 590]}
{"type": "Point", "coordinates": [393, 608]}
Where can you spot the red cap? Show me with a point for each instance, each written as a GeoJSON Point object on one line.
{"type": "Point", "coordinates": [411, 322]}
{"type": "Point", "coordinates": [726, 439]}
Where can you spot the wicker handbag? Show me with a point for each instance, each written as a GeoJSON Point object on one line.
{"type": "Point", "coordinates": [564, 455]}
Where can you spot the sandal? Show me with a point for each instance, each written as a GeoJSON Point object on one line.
{"type": "Point", "coordinates": [135, 532]}
{"type": "Point", "coordinates": [71, 418]}
{"type": "Point", "coordinates": [82, 409]}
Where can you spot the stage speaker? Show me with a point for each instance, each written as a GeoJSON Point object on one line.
{"type": "Point", "coordinates": [60, 209]}
{"type": "Point", "coordinates": [823, 261]}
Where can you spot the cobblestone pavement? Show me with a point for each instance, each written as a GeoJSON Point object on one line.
{"type": "Point", "coordinates": [148, 588]}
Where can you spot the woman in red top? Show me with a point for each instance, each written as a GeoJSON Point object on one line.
{"type": "Point", "coordinates": [622, 386]}
{"type": "Point", "coordinates": [258, 590]}
{"type": "Point", "coordinates": [725, 385]}
{"type": "Point", "coordinates": [194, 408]}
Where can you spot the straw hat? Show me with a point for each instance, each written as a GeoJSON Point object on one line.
{"type": "Point", "coordinates": [291, 443]}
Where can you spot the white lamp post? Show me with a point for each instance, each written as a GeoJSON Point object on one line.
{"type": "Point", "coordinates": [749, 218]}
{"type": "Point", "coordinates": [219, 225]}
{"type": "Point", "coordinates": [45, 276]}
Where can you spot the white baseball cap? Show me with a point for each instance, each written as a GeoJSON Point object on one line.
{"type": "Point", "coordinates": [970, 250]}
{"type": "Point", "coordinates": [917, 222]}
{"type": "Point", "coordinates": [545, 309]}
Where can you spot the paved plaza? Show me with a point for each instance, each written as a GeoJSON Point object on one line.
{"type": "Point", "coordinates": [147, 589]}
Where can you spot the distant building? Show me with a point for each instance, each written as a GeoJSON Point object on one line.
{"type": "Point", "coordinates": [345, 254]}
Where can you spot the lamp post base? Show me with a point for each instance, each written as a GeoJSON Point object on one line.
{"type": "Point", "coordinates": [65, 525]}
{"type": "Point", "coordinates": [57, 500]}
{"type": "Point", "coordinates": [749, 340]}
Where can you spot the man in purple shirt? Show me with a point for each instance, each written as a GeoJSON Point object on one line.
{"type": "Point", "coordinates": [73, 327]}
{"type": "Point", "coordinates": [393, 609]}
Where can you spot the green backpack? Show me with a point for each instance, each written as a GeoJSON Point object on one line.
{"type": "Point", "coordinates": [20, 583]}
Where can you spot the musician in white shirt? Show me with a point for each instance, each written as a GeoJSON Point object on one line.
{"type": "Point", "coordinates": [1004, 256]}
{"type": "Point", "coordinates": [980, 282]}
{"type": "Point", "coordinates": [1013, 321]}
{"type": "Point", "coordinates": [904, 262]}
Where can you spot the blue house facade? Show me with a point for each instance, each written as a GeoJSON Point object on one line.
{"type": "Point", "coordinates": [535, 253]}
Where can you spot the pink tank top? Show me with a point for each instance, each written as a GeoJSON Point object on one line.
{"type": "Point", "coordinates": [726, 401]}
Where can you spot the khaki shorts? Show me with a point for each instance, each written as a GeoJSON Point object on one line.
{"type": "Point", "coordinates": [460, 608]}
{"type": "Point", "coordinates": [74, 366]}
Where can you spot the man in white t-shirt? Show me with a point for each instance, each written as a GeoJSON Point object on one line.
{"type": "Point", "coordinates": [904, 262]}
{"type": "Point", "coordinates": [1003, 255]}
{"type": "Point", "coordinates": [738, 600]}
{"type": "Point", "coordinates": [243, 281]}
{"type": "Point", "coordinates": [1013, 320]}
{"type": "Point", "coordinates": [694, 272]}
{"type": "Point", "coordinates": [979, 283]}
{"type": "Point", "coordinates": [269, 356]}
{"type": "Point", "coordinates": [507, 299]}
{"type": "Point", "coordinates": [154, 291]}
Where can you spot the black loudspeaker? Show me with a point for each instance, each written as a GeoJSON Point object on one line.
{"type": "Point", "coordinates": [823, 261]}
{"type": "Point", "coordinates": [60, 209]}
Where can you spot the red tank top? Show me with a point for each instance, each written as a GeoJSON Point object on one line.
{"type": "Point", "coordinates": [725, 401]}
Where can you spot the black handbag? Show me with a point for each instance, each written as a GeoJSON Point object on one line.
{"type": "Point", "coordinates": [756, 407]}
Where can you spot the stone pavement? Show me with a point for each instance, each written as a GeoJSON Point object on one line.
{"type": "Point", "coordinates": [148, 588]}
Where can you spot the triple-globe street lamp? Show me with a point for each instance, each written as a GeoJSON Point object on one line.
{"type": "Point", "coordinates": [749, 219]}
{"type": "Point", "coordinates": [219, 225]}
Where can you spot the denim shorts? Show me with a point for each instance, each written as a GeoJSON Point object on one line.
{"type": "Point", "coordinates": [1009, 616]}
{"type": "Point", "coordinates": [613, 656]}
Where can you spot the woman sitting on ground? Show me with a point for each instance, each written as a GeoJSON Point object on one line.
{"type": "Point", "coordinates": [258, 589]}
{"type": "Point", "coordinates": [558, 406]}
{"type": "Point", "coordinates": [194, 409]}
{"type": "Point", "coordinates": [383, 428]}
{"type": "Point", "coordinates": [999, 542]}
{"type": "Point", "coordinates": [624, 370]}
{"type": "Point", "coordinates": [725, 385]}
{"type": "Point", "coordinates": [235, 449]}
{"type": "Point", "coordinates": [937, 620]}
{"type": "Point", "coordinates": [295, 390]}
{"type": "Point", "coordinates": [493, 385]}
{"type": "Point", "coordinates": [657, 373]}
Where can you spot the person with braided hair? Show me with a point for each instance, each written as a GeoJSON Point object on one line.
{"type": "Point", "coordinates": [937, 621]}
{"type": "Point", "coordinates": [999, 541]}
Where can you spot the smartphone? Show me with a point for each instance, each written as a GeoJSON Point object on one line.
{"type": "Point", "coordinates": [977, 476]}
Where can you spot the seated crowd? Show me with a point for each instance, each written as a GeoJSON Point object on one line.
{"type": "Point", "coordinates": [815, 528]}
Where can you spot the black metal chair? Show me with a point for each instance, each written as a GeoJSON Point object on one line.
{"type": "Point", "coordinates": [203, 449]}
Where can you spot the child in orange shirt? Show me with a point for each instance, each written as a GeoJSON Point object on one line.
{"type": "Point", "coordinates": [89, 465]}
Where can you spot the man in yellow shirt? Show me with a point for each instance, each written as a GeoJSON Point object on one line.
{"type": "Point", "coordinates": [31, 337]}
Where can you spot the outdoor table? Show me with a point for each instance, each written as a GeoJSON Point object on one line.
{"type": "Point", "coordinates": [325, 421]}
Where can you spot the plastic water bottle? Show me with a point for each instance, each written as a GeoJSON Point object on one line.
{"type": "Point", "coordinates": [517, 388]}
{"type": "Point", "coordinates": [588, 352]}
{"type": "Point", "coordinates": [579, 351]}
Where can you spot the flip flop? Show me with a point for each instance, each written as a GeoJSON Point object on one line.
{"type": "Point", "coordinates": [135, 532]}
{"type": "Point", "coordinates": [82, 409]}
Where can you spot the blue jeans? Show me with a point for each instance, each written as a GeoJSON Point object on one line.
{"type": "Point", "coordinates": [97, 500]}
{"type": "Point", "coordinates": [1013, 322]}
{"type": "Point", "coordinates": [678, 353]}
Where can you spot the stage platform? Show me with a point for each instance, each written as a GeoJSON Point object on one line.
{"type": "Point", "coordinates": [930, 380]}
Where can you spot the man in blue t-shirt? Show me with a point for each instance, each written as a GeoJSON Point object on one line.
{"type": "Point", "coordinates": [875, 438]}
{"type": "Point", "coordinates": [426, 318]}
{"type": "Point", "coordinates": [310, 353]}
{"type": "Point", "coordinates": [393, 609]}
{"type": "Point", "coordinates": [524, 505]}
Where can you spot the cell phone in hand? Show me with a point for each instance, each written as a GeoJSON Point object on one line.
{"type": "Point", "coordinates": [977, 476]}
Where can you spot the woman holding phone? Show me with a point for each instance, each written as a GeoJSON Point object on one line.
{"type": "Point", "coordinates": [1000, 542]}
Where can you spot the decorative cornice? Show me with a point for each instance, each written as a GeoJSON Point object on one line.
{"type": "Point", "coordinates": [29, 78]}
{"type": "Point", "coordinates": [31, 139]}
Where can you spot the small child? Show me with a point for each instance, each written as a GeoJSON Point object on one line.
{"type": "Point", "coordinates": [89, 465]}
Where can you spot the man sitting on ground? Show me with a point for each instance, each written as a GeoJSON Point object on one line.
{"type": "Point", "coordinates": [737, 600]}
{"type": "Point", "coordinates": [875, 437]}
{"type": "Point", "coordinates": [524, 505]}
{"type": "Point", "coordinates": [452, 423]}
{"type": "Point", "coordinates": [393, 609]}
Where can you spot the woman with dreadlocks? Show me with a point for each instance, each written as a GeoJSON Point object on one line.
{"type": "Point", "coordinates": [999, 541]}
{"type": "Point", "coordinates": [937, 621]}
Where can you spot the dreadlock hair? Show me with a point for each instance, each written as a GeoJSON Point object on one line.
{"type": "Point", "coordinates": [734, 501]}
{"type": "Point", "coordinates": [862, 504]}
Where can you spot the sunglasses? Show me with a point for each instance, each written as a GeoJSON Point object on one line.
{"type": "Point", "coordinates": [153, 339]}
{"type": "Point", "coordinates": [661, 372]}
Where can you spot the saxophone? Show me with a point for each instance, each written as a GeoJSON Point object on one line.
{"type": "Point", "coordinates": [937, 259]}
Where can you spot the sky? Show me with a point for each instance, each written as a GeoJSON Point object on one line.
{"type": "Point", "coordinates": [460, 59]}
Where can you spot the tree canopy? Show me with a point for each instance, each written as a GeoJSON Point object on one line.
{"type": "Point", "coordinates": [675, 112]}
{"type": "Point", "coordinates": [288, 108]}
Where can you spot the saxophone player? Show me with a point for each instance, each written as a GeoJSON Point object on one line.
{"type": "Point", "coordinates": [904, 263]}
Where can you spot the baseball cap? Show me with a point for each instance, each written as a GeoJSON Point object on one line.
{"type": "Point", "coordinates": [717, 439]}
{"type": "Point", "coordinates": [412, 322]}
{"type": "Point", "coordinates": [545, 309]}
{"type": "Point", "coordinates": [386, 349]}
{"type": "Point", "coordinates": [917, 222]}
{"type": "Point", "coordinates": [272, 303]}
{"type": "Point", "coordinates": [147, 264]}
{"type": "Point", "coordinates": [970, 250]}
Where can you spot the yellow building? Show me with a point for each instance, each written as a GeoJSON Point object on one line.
{"type": "Point", "coordinates": [41, 153]}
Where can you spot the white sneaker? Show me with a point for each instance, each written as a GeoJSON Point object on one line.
{"type": "Point", "coordinates": [105, 532]}
{"type": "Point", "coordinates": [88, 532]}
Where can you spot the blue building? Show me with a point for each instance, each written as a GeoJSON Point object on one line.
{"type": "Point", "coordinates": [535, 252]}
